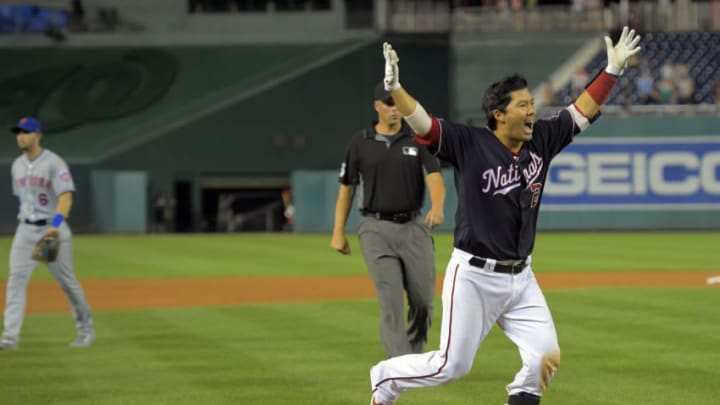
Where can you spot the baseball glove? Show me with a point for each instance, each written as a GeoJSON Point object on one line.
{"type": "Point", "coordinates": [46, 250]}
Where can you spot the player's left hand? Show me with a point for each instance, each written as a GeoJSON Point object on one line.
{"type": "Point", "coordinates": [46, 249]}
{"type": "Point", "coordinates": [52, 231]}
{"type": "Point", "coordinates": [619, 54]}
{"type": "Point", "coordinates": [433, 218]}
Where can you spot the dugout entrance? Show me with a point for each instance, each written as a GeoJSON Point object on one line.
{"type": "Point", "coordinates": [257, 204]}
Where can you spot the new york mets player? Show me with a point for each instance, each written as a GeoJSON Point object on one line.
{"type": "Point", "coordinates": [43, 184]}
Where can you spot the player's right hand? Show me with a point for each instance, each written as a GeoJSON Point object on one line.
{"type": "Point", "coordinates": [619, 54]}
{"type": "Point", "coordinates": [340, 244]}
{"type": "Point", "coordinates": [392, 72]}
{"type": "Point", "coordinates": [434, 218]}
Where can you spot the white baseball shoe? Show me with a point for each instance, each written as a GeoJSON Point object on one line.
{"type": "Point", "coordinates": [84, 340]}
{"type": "Point", "coordinates": [9, 344]}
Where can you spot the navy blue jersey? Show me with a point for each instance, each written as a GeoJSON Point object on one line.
{"type": "Point", "coordinates": [499, 192]}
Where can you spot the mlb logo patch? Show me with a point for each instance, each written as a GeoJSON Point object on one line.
{"type": "Point", "coordinates": [410, 150]}
{"type": "Point", "coordinates": [342, 169]}
{"type": "Point", "coordinates": [64, 176]}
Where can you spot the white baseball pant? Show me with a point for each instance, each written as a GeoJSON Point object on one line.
{"type": "Point", "coordinates": [473, 300]}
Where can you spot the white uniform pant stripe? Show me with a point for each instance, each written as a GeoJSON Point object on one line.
{"type": "Point", "coordinates": [473, 301]}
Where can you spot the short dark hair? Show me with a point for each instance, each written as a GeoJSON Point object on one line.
{"type": "Point", "coordinates": [497, 96]}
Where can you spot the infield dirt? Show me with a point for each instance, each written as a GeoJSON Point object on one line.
{"type": "Point", "coordinates": [104, 295]}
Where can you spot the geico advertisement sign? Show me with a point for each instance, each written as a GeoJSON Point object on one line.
{"type": "Point", "coordinates": [639, 172]}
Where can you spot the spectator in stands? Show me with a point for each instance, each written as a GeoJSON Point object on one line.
{"type": "Point", "coordinates": [717, 90]}
{"type": "Point", "coordinates": [667, 70]}
{"type": "Point", "coordinates": [685, 85]}
{"type": "Point", "coordinates": [577, 6]}
{"type": "Point", "coordinates": [578, 82]}
{"type": "Point", "coordinates": [623, 13]}
{"type": "Point", "coordinates": [109, 18]}
{"type": "Point", "coordinates": [548, 94]}
{"type": "Point", "coordinates": [289, 209]}
{"type": "Point", "coordinates": [667, 91]}
{"type": "Point", "coordinates": [160, 206]}
{"type": "Point", "coordinates": [665, 10]}
{"type": "Point", "coordinates": [77, 17]}
{"type": "Point", "coordinates": [55, 22]}
{"type": "Point", "coordinates": [645, 87]}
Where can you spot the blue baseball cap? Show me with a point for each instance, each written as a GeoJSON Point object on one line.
{"type": "Point", "coordinates": [28, 124]}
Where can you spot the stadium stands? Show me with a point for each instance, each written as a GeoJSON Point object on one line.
{"type": "Point", "coordinates": [30, 18]}
{"type": "Point", "coordinates": [698, 51]}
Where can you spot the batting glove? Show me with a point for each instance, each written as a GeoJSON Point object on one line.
{"type": "Point", "coordinates": [392, 73]}
{"type": "Point", "coordinates": [619, 54]}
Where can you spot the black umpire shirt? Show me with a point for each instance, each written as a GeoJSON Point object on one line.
{"type": "Point", "coordinates": [390, 171]}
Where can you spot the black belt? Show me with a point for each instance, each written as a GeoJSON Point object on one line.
{"type": "Point", "coordinates": [39, 222]}
{"type": "Point", "coordinates": [500, 268]}
{"type": "Point", "coordinates": [398, 217]}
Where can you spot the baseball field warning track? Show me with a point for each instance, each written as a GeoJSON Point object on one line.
{"type": "Point", "coordinates": [105, 295]}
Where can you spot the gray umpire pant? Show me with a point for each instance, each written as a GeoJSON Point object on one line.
{"type": "Point", "coordinates": [21, 268]}
{"type": "Point", "coordinates": [401, 257]}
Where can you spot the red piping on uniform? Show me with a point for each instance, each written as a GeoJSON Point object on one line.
{"type": "Point", "coordinates": [447, 349]}
{"type": "Point", "coordinates": [432, 138]}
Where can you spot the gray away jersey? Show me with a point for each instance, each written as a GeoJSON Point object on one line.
{"type": "Point", "coordinates": [38, 183]}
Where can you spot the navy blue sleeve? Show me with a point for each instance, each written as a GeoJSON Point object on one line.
{"type": "Point", "coordinates": [553, 134]}
{"type": "Point", "coordinates": [455, 142]}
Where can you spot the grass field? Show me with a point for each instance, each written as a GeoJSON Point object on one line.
{"type": "Point", "coordinates": [620, 346]}
{"type": "Point", "coordinates": [219, 255]}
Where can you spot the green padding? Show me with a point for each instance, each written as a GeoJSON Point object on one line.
{"type": "Point", "coordinates": [99, 111]}
{"type": "Point", "coordinates": [24, 94]}
{"type": "Point", "coordinates": [111, 90]}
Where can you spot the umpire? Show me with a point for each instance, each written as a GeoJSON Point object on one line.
{"type": "Point", "coordinates": [390, 171]}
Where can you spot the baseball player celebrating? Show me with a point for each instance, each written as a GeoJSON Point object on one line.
{"type": "Point", "coordinates": [44, 186]}
{"type": "Point", "coordinates": [499, 173]}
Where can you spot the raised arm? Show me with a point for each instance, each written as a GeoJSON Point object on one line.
{"type": "Point", "coordinates": [413, 112]}
{"type": "Point", "coordinates": [598, 90]}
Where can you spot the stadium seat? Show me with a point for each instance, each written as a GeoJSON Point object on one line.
{"type": "Point", "coordinates": [699, 51]}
